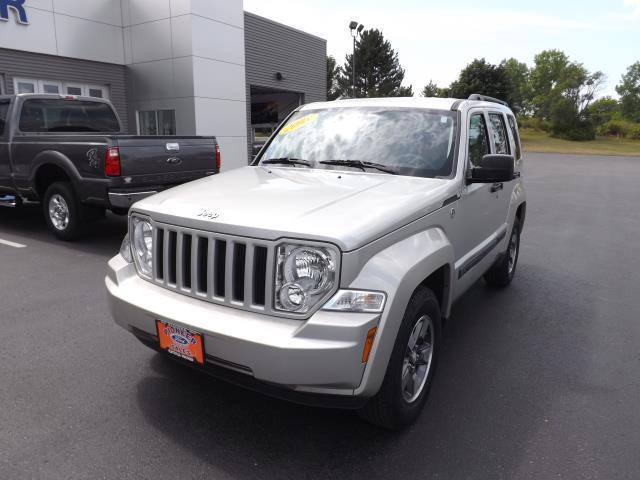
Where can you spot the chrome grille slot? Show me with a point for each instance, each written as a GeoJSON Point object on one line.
{"type": "Point", "coordinates": [202, 260]}
{"type": "Point", "coordinates": [185, 254]}
{"type": "Point", "coordinates": [217, 268]}
{"type": "Point", "coordinates": [172, 240]}
{"type": "Point", "coordinates": [259, 275]}
{"type": "Point", "coordinates": [239, 260]}
{"type": "Point", "coordinates": [158, 254]}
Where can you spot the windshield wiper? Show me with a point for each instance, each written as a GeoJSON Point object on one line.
{"type": "Point", "coordinates": [286, 161]}
{"type": "Point", "coordinates": [361, 164]}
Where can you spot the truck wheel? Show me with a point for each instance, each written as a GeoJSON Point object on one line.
{"type": "Point", "coordinates": [501, 274]}
{"type": "Point", "coordinates": [411, 366]}
{"type": "Point", "coordinates": [62, 210]}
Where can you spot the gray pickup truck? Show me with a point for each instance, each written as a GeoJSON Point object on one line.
{"type": "Point", "coordinates": [69, 153]}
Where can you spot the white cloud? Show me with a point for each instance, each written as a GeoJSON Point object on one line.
{"type": "Point", "coordinates": [634, 4]}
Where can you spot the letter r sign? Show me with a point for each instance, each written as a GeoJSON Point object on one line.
{"type": "Point", "coordinates": [17, 6]}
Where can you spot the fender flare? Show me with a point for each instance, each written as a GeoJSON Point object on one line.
{"type": "Point", "coordinates": [52, 157]}
{"type": "Point", "coordinates": [399, 270]}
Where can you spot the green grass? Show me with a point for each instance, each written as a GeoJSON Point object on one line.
{"type": "Point", "coordinates": [539, 141]}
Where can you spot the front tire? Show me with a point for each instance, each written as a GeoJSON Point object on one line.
{"type": "Point", "coordinates": [502, 273]}
{"type": "Point", "coordinates": [411, 366]}
{"type": "Point", "coordinates": [62, 211]}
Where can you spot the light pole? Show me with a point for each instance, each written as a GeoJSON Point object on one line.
{"type": "Point", "coordinates": [356, 30]}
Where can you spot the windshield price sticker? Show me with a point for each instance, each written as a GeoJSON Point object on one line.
{"type": "Point", "coordinates": [299, 123]}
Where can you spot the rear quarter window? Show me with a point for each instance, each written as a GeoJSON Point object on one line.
{"type": "Point", "coordinates": [516, 136]}
{"type": "Point", "coordinates": [61, 115]}
{"type": "Point", "coordinates": [499, 131]}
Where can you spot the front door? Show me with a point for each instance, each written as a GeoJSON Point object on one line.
{"type": "Point", "coordinates": [479, 209]}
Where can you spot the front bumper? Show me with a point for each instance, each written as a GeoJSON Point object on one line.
{"type": "Point", "coordinates": [319, 356]}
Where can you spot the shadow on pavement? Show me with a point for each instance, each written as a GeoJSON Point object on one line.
{"type": "Point", "coordinates": [503, 363]}
{"type": "Point", "coordinates": [102, 237]}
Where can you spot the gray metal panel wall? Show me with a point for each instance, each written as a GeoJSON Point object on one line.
{"type": "Point", "coordinates": [14, 63]}
{"type": "Point", "coordinates": [301, 58]}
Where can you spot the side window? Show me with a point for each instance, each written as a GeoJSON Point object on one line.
{"type": "Point", "coordinates": [478, 139]}
{"type": "Point", "coordinates": [516, 135]}
{"type": "Point", "coordinates": [500, 138]}
{"type": "Point", "coordinates": [4, 109]}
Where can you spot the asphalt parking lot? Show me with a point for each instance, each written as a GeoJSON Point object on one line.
{"type": "Point", "coordinates": [541, 380]}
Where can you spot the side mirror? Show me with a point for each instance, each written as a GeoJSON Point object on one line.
{"type": "Point", "coordinates": [493, 168]}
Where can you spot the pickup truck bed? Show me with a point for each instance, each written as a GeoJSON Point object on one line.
{"type": "Point", "coordinates": [75, 141]}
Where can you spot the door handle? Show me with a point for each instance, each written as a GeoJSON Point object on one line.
{"type": "Point", "coordinates": [497, 187]}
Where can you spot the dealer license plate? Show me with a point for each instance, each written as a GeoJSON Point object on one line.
{"type": "Point", "coordinates": [181, 342]}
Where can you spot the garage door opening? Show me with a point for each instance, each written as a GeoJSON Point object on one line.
{"type": "Point", "coordinates": [269, 107]}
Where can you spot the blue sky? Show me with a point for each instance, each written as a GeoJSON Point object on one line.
{"type": "Point", "coordinates": [436, 39]}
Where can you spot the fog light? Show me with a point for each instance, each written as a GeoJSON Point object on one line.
{"type": "Point", "coordinates": [292, 296]}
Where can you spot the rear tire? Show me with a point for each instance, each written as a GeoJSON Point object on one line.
{"type": "Point", "coordinates": [410, 372]}
{"type": "Point", "coordinates": [62, 211]}
{"type": "Point", "coordinates": [502, 273]}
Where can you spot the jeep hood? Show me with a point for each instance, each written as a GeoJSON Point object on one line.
{"type": "Point", "coordinates": [349, 209]}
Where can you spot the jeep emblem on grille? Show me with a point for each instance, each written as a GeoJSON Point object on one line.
{"type": "Point", "coordinates": [208, 214]}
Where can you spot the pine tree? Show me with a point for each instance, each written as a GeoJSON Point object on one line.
{"type": "Point", "coordinates": [378, 70]}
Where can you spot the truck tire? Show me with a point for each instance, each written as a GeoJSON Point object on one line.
{"type": "Point", "coordinates": [411, 366]}
{"type": "Point", "coordinates": [62, 211]}
{"type": "Point", "coordinates": [501, 274]}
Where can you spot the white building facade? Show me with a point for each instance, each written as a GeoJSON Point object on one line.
{"type": "Point", "coordinates": [169, 66]}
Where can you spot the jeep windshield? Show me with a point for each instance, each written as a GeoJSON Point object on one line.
{"type": "Point", "coordinates": [408, 141]}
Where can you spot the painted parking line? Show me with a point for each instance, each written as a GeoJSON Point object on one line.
{"type": "Point", "coordinates": [11, 244]}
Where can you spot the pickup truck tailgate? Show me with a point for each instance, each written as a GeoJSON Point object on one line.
{"type": "Point", "coordinates": [145, 156]}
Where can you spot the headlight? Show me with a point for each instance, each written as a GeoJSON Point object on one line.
{"type": "Point", "coordinates": [356, 301]}
{"type": "Point", "coordinates": [142, 244]}
{"type": "Point", "coordinates": [125, 249]}
{"type": "Point", "coordinates": [304, 275]}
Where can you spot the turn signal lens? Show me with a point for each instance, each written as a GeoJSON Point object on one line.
{"type": "Point", "coordinates": [368, 344]}
{"type": "Point", "coordinates": [218, 158]}
{"type": "Point", "coordinates": [356, 301]}
{"type": "Point", "coordinates": [112, 162]}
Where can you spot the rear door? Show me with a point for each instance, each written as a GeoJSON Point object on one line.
{"type": "Point", "coordinates": [165, 159]}
{"type": "Point", "coordinates": [501, 143]}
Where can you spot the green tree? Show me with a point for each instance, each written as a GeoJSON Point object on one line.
{"type": "Point", "coordinates": [561, 92]}
{"type": "Point", "coordinates": [629, 91]}
{"type": "Point", "coordinates": [603, 110]}
{"type": "Point", "coordinates": [430, 90]}
{"type": "Point", "coordinates": [378, 70]}
{"type": "Point", "coordinates": [332, 82]}
{"type": "Point", "coordinates": [518, 74]}
{"type": "Point", "coordinates": [484, 78]}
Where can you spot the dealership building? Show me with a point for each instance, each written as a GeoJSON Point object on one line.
{"type": "Point", "coordinates": [185, 67]}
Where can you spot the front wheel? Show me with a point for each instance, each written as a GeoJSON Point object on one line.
{"type": "Point", "coordinates": [62, 211]}
{"type": "Point", "coordinates": [411, 366]}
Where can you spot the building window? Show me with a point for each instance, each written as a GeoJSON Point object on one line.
{"type": "Point", "coordinates": [157, 122]}
{"type": "Point", "coordinates": [73, 89]}
{"type": "Point", "coordinates": [25, 85]}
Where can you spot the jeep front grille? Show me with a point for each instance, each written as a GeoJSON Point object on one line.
{"type": "Point", "coordinates": [222, 269]}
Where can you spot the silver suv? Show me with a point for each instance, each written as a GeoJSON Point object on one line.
{"type": "Point", "coordinates": [323, 272]}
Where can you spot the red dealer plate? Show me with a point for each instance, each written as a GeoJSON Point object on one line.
{"type": "Point", "coordinates": [180, 341]}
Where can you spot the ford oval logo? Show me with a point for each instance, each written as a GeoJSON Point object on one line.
{"type": "Point", "coordinates": [174, 161]}
{"type": "Point", "coordinates": [179, 339]}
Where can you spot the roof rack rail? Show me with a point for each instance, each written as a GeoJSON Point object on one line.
{"type": "Point", "coordinates": [485, 98]}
